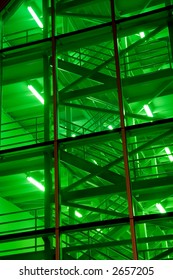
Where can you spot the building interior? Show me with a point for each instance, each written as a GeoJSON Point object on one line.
{"type": "Point", "coordinates": [86, 129]}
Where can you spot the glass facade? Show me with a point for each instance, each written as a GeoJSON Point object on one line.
{"type": "Point", "coordinates": [86, 130]}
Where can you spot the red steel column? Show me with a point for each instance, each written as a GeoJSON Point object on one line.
{"type": "Point", "coordinates": [55, 118]}
{"type": "Point", "coordinates": [123, 133]}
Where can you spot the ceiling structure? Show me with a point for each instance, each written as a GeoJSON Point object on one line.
{"type": "Point", "coordinates": [94, 209]}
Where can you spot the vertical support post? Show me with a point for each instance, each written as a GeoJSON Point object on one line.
{"type": "Point", "coordinates": [1, 101]}
{"type": "Point", "coordinates": [141, 230]}
{"type": "Point", "coordinates": [45, 7]}
{"type": "Point", "coordinates": [47, 157]}
{"type": "Point", "coordinates": [55, 114]}
{"type": "Point", "coordinates": [170, 29]}
{"type": "Point", "coordinates": [1, 33]}
{"type": "Point", "coordinates": [68, 115]}
{"type": "Point", "coordinates": [123, 133]}
{"type": "Point", "coordinates": [1, 77]}
{"type": "Point", "coordinates": [48, 202]}
{"type": "Point", "coordinates": [47, 99]}
{"type": "Point", "coordinates": [46, 75]}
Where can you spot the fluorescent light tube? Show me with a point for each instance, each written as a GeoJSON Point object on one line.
{"type": "Point", "coordinates": [148, 111]}
{"type": "Point", "coordinates": [110, 127]}
{"type": "Point", "coordinates": [36, 183]}
{"type": "Point", "coordinates": [36, 94]}
{"type": "Point", "coordinates": [79, 215]}
{"type": "Point", "coordinates": [98, 229]}
{"type": "Point", "coordinates": [142, 34]}
{"type": "Point", "coordinates": [35, 17]}
{"type": "Point", "coordinates": [167, 150]}
{"type": "Point", "coordinates": [160, 208]}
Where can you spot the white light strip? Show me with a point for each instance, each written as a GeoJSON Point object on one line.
{"type": "Point", "coordinates": [79, 215]}
{"type": "Point", "coordinates": [160, 208]}
{"type": "Point", "coordinates": [110, 127]}
{"type": "Point", "coordinates": [36, 94]}
{"type": "Point", "coordinates": [142, 34]}
{"type": "Point", "coordinates": [36, 183]}
{"type": "Point", "coordinates": [148, 111]}
{"type": "Point", "coordinates": [35, 17]}
{"type": "Point", "coordinates": [95, 161]}
{"type": "Point", "coordinates": [167, 150]}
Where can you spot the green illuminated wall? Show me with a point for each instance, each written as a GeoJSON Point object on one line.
{"type": "Point", "coordinates": [86, 115]}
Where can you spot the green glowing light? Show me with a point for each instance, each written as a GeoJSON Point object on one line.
{"type": "Point", "coordinates": [79, 215]}
{"type": "Point", "coordinates": [73, 135]}
{"type": "Point", "coordinates": [36, 183]}
{"type": "Point", "coordinates": [36, 94]}
{"type": "Point", "coordinates": [142, 34]}
{"type": "Point", "coordinates": [160, 208]}
{"type": "Point", "coordinates": [35, 17]}
{"type": "Point", "coordinates": [110, 127]}
{"type": "Point", "coordinates": [148, 111]}
{"type": "Point", "coordinates": [167, 150]}
{"type": "Point", "coordinates": [95, 161]}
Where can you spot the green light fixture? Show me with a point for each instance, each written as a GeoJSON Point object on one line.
{"type": "Point", "coordinates": [160, 208]}
{"type": "Point", "coordinates": [167, 150]}
{"type": "Point", "coordinates": [148, 111]}
{"type": "Point", "coordinates": [35, 16]}
{"type": "Point", "coordinates": [36, 183]}
{"type": "Point", "coordinates": [36, 94]}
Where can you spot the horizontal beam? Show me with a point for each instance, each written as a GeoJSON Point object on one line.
{"type": "Point", "coordinates": [117, 243]}
{"type": "Point", "coordinates": [64, 6]}
{"type": "Point", "coordinates": [35, 255]}
{"type": "Point", "coordinates": [93, 209]}
{"type": "Point", "coordinates": [139, 188]}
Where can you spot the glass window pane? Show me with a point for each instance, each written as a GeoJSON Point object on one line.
{"type": "Point", "coordinates": [150, 163]}
{"type": "Point", "coordinates": [87, 84]}
{"type": "Point", "coordinates": [25, 22]}
{"type": "Point", "coordinates": [26, 97]}
{"type": "Point", "coordinates": [125, 9]}
{"type": "Point", "coordinates": [104, 243]}
{"type": "Point", "coordinates": [26, 180]}
{"type": "Point", "coordinates": [145, 50]}
{"type": "Point", "coordinates": [76, 15]}
{"type": "Point", "coordinates": [154, 239]}
{"type": "Point", "coordinates": [92, 181]}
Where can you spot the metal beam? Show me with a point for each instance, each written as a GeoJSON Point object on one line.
{"type": "Point", "coordinates": [83, 71]}
{"type": "Point", "coordinates": [105, 63]}
{"type": "Point", "coordinates": [117, 243]}
{"type": "Point", "coordinates": [91, 168]}
{"type": "Point", "coordinates": [35, 255]}
{"type": "Point", "coordinates": [73, 5]}
{"type": "Point", "coordinates": [93, 209]}
{"type": "Point", "coordinates": [139, 188]}
{"type": "Point", "coordinates": [163, 255]}
{"type": "Point", "coordinates": [10, 9]}
{"type": "Point", "coordinates": [120, 159]}
{"type": "Point", "coordinates": [104, 110]}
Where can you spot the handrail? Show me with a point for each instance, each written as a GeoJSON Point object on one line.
{"type": "Point", "coordinates": [32, 128]}
{"type": "Point", "coordinates": [27, 34]}
{"type": "Point", "coordinates": [34, 218]}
